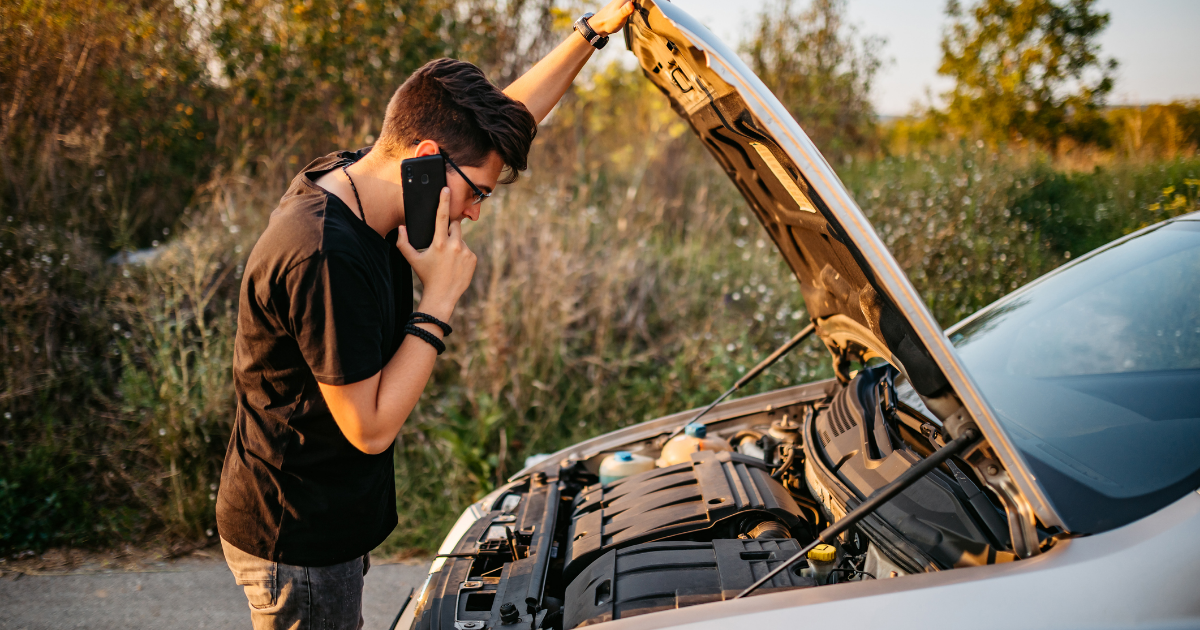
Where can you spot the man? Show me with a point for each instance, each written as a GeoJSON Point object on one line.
{"type": "Point", "coordinates": [328, 362]}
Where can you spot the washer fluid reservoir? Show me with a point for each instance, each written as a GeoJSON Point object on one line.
{"type": "Point", "coordinates": [623, 464]}
{"type": "Point", "coordinates": [694, 438]}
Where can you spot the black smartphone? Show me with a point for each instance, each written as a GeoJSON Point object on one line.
{"type": "Point", "coordinates": [424, 179]}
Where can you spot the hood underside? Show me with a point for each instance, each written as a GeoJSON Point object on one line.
{"type": "Point", "coordinates": [861, 301]}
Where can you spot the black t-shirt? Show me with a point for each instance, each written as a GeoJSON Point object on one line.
{"type": "Point", "coordinates": [325, 299]}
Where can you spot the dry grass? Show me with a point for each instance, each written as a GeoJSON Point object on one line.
{"type": "Point", "coordinates": [619, 281]}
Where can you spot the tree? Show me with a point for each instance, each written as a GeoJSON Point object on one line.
{"type": "Point", "coordinates": [1027, 69]}
{"type": "Point", "coordinates": [821, 71]}
{"type": "Point", "coordinates": [313, 74]}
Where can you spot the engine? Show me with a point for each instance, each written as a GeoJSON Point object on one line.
{"type": "Point", "coordinates": [715, 495]}
{"type": "Point", "coordinates": [668, 522]}
{"type": "Point", "coordinates": [690, 533]}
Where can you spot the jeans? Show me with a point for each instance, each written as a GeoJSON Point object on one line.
{"type": "Point", "coordinates": [284, 596]}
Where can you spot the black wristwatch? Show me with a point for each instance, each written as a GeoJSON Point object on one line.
{"type": "Point", "coordinates": [589, 33]}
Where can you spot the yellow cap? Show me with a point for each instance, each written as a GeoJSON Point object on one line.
{"type": "Point", "coordinates": [823, 553]}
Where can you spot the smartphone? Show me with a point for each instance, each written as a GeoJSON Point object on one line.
{"type": "Point", "coordinates": [424, 179]}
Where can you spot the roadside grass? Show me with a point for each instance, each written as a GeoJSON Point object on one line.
{"type": "Point", "coordinates": [620, 280]}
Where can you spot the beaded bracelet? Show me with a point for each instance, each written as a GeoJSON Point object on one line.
{"type": "Point", "coordinates": [426, 336]}
{"type": "Point", "coordinates": [423, 318]}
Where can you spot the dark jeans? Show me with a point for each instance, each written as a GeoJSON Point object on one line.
{"type": "Point", "coordinates": [284, 596]}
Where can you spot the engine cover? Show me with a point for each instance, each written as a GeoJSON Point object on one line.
{"type": "Point", "coordinates": [948, 519]}
{"type": "Point", "coordinates": [733, 491]}
{"type": "Point", "coordinates": [665, 575]}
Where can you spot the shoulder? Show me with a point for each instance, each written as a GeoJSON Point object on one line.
{"type": "Point", "coordinates": [305, 228]}
{"type": "Point", "coordinates": [294, 233]}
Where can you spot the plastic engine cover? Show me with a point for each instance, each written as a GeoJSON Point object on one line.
{"type": "Point", "coordinates": [666, 575]}
{"type": "Point", "coordinates": [668, 502]}
{"type": "Point", "coordinates": [947, 518]}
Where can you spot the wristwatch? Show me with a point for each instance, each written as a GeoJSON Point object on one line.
{"type": "Point", "coordinates": [588, 32]}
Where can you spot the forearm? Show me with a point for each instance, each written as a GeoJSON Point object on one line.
{"type": "Point", "coordinates": [543, 85]}
{"type": "Point", "coordinates": [401, 383]}
{"type": "Point", "coordinates": [371, 413]}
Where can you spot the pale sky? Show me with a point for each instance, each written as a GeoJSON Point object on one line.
{"type": "Point", "coordinates": [1157, 43]}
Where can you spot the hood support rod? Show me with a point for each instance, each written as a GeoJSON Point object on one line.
{"type": "Point", "coordinates": [752, 374]}
{"type": "Point", "coordinates": [959, 444]}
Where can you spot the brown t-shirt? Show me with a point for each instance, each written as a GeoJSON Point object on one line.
{"type": "Point", "coordinates": [324, 299]}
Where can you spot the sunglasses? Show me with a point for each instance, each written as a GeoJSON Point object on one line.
{"type": "Point", "coordinates": [479, 194]}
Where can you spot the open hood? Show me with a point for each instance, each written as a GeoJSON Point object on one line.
{"type": "Point", "coordinates": [861, 301]}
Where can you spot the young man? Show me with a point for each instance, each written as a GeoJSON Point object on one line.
{"type": "Point", "coordinates": [328, 362]}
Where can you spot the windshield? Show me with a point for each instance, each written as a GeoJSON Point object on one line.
{"type": "Point", "coordinates": [1094, 373]}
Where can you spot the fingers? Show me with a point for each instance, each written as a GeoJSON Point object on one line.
{"type": "Point", "coordinates": [614, 15]}
{"type": "Point", "coordinates": [442, 220]}
{"type": "Point", "coordinates": [455, 230]}
{"type": "Point", "coordinates": [406, 248]}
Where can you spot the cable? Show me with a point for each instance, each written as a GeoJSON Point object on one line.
{"type": "Point", "coordinates": [853, 572]}
{"type": "Point", "coordinates": [787, 463]}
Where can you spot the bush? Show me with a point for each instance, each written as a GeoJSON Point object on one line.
{"type": "Point", "coordinates": [116, 395]}
{"type": "Point", "coordinates": [620, 281]}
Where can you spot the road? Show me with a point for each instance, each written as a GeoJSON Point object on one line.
{"type": "Point", "coordinates": [191, 593]}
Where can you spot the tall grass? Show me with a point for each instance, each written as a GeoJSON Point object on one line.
{"type": "Point", "coordinates": [621, 279]}
{"type": "Point", "coordinates": [625, 279]}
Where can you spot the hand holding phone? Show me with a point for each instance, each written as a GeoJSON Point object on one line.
{"type": "Point", "coordinates": [445, 267]}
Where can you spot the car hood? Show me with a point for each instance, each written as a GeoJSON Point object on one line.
{"type": "Point", "coordinates": [861, 301]}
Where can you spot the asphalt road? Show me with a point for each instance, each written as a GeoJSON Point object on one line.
{"type": "Point", "coordinates": [189, 594]}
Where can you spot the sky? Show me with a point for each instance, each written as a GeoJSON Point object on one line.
{"type": "Point", "coordinates": [1156, 42]}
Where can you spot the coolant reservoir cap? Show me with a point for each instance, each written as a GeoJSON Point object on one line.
{"type": "Point", "coordinates": [623, 456]}
{"type": "Point", "coordinates": [696, 430]}
{"type": "Point", "coordinates": [823, 553]}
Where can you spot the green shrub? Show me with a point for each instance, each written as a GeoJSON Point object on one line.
{"type": "Point", "coordinates": [620, 281]}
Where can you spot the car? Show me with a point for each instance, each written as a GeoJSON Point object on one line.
{"type": "Point", "coordinates": [1036, 464]}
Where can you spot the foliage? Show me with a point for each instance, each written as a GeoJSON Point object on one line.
{"type": "Point", "coordinates": [304, 75]}
{"type": "Point", "coordinates": [112, 121]}
{"type": "Point", "coordinates": [1078, 212]}
{"type": "Point", "coordinates": [820, 69]}
{"type": "Point", "coordinates": [58, 479]}
{"type": "Point", "coordinates": [623, 280]}
{"type": "Point", "coordinates": [1167, 131]}
{"type": "Point", "coordinates": [1027, 69]}
{"type": "Point", "coordinates": [620, 281]}
{"type": "Point", "coordinates": [102, 143]}
{"type": "Point", "coordinates": [176, 389]}
{"type": "Point", "coordinates": [103, 135]}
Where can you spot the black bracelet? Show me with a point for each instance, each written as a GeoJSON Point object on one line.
{"type": "Point", "coordinates": [426, 336]}
{"type": "Point", "coordinates": [424, 318]}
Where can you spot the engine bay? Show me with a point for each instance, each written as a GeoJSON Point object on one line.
{"type": "Point", "coordinates": [663, 521]}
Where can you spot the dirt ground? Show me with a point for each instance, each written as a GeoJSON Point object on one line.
{"type": "Point", "coordinates": [160, 588]}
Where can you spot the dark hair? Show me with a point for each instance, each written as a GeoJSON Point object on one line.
{"type": "Point", "coordinates": [452, 103]}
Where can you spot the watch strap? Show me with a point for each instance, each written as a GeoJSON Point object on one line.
{"type": "Point", "coordinates": [585, 29]}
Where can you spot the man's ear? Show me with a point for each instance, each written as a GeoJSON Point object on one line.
{"type": "Point", "coordinates": [427, 147]}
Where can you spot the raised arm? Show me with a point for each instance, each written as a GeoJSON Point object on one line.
{"type": "Point", "coordinates": [545, 83]}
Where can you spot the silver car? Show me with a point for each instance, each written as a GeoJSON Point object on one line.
{"type": "Point", "coordinates": [1036, 465]}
